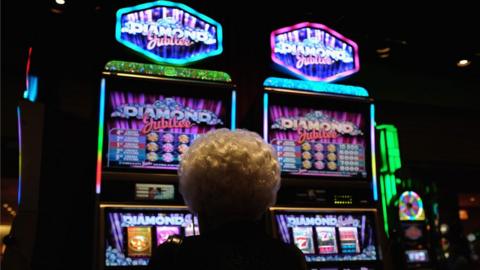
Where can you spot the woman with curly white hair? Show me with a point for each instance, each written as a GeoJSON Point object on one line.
{"type": "Point", "coordinates": [229, 179]}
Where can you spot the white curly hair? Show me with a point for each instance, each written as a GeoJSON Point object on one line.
{"type": "Point", "coordinates": [229, 175]}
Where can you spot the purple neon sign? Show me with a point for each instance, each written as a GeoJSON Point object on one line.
{"type": "Point", "coordinates": [168, 32]}
{"type": "Point", "coordinates": [315, 52]}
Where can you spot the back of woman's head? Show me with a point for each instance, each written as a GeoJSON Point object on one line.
{"type": "Point", "coordinates": [229, 175]}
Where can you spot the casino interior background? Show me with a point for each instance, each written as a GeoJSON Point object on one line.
{"type": "Point", "coordinates": [409, 64]}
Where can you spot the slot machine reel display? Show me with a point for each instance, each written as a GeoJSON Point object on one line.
{"type": "Point", "coordinates": [148, 124]}
{"type": "Point", "coordinates": [132, 232]}
{"type": "Point", "coordinates": [323, 136]}
{"type": "Point", "coordinates": [326, 235]}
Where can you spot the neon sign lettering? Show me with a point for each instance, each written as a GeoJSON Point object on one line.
{"type": "Point", "coordinates": [128, 220]}
{"type": "Point", "coordinates": [320, 220]}
{"type": "Point", "coordinates": [168, 32]}
{"type": "Point", "coordinates": [314, 52]}
{"type": "Point", "coordinates": [168, 109]}
{"type": "Point", "coordinates": [316, 125]}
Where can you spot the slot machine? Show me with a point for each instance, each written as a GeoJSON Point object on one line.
{"type": "Point", "coordinates": [149, 115]}
{"type": "Point", "coordinates": [324, 137]}
{"type": "Point", "coordinates": [413, 234]}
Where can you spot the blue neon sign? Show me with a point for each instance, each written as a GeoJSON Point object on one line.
{"type": "Point", "coordinates": [168, 32]}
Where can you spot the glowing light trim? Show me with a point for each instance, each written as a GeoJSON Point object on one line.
{"type": "Point", "coordinates": [318, 87]}
{"type": "Point", "coordinates": [265, 117]}
{"type": "Point", "coordinates": [389, 148]}
{"type": "Point", "coordinates": [32, 89]}
{"type": "Point", "coordinates": [167, 60]}
{"type": "Point", "coordinates": [384, 205]}
{"type": "Point", "coordinates": [31, 82]}
{"type": "Point", "coordinates": [374, 160]}
{"type": "Point", "coordinates": [331, 32]}
{"type": "Point", "coordinates": [167, 71]}
{"type": "Point", "coordinates": [390, 163]}
{"type": "Point", "coordinates": [19, 127]}
{"type": "Point", "coordinates": [27, 71]}
{"type": "Point", "coordinates": [233, 125]}
{"type": "Point", "coordinates": [101, 118]}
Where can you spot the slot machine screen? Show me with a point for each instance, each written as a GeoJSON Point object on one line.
{"type": "Point", "coordinates": [328, 236]}
{"type": "Point", "coordinates": [417, 256]}
{"type": "Point", "coordinates": [131, 234]}
{"type": "Point", "coordinates": [149, 125]}
{"type": "Point", "coordinates": [160, 192]}
{"type": "Point", "coordinates": [319, 137]}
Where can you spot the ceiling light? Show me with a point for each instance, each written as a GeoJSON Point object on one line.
{"type": "Point", "coordinates": [383, 50]}
{"type": "Point", "coordinates": [463, 63]}
{"type": "Point", "coordinates": [60, 2]}
{"type": "Point", "coordinates": [471, 237]}
{"type": "Point", "coordinates": [444, 228]}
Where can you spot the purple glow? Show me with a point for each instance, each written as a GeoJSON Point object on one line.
{"type": "Point", "coordinates": [163, 222]}
{"type": "Point", "coordinates": [117, 99]}
{"type": "Point", "coordinates": [163, 232]}
{"type": "Point", "coordinates": [314, 52]}
{"type": "Point", "coordinates": [153, 130]}
{"type": "Point", "coordinates": [19, 127]}
{"type": "Point", "coordinates": [277, 112]}
{"type": "Point", "coordinates": [318, 142]}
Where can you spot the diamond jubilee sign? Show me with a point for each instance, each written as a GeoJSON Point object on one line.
{"type": "Point", "coordinates": [315, 52]}
{"type": "Point", "coordinates": [168, 32]}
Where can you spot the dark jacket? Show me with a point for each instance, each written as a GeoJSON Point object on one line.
{"type": "Point", "coordinates": [234, 247]}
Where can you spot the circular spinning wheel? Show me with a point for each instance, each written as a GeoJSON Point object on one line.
{"type": "Point", "coordinates": [410, 206]}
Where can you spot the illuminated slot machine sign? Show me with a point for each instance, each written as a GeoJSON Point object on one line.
{"type": "Point", "coordinates": [131, 234]}
{"type": "Point", "coordinates": [168, 32]}
{"type": "Point", "coordinates": [413, 228]}
{"type": "Point", "coordinates": [150, 126]}
{"type": "Point", "coordinates": [314, 52]}
{"type": "Point", "coordinates": [327, 236]}
{"type": "Point", "coordinates": [318, 137]}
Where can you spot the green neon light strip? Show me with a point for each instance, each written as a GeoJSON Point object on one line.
{"type": "Point", "coordinates": [393, 185]}
{"type": "Point", "coordinates": [384, 205]}
{"type": "Point", "coordinates": [391, 153]}
{"type": "Point", "coordinates": [167, 71]}
{"type": "Point", "coordinates": [388, 194]}
{"type": "Point", "coordinates": [383, 152]}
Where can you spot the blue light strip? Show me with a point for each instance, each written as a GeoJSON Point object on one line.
{"type": "Point", "coordinates": [265, 117]}
{"type": "Point", "coordinates": [156, 58]}
{"type": "Point", "coordinates": [19, 191]}
{"type": "Point", "coordinates": [101, 116]}
{"type": "Point", "coordinates": [318, 87]}
{"type": "Point", "coordinates": [31, 92]}
{"type": "Point", "coordinates": [233, 121]}
{"type": "Point", "coordinates": [374, 159]}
